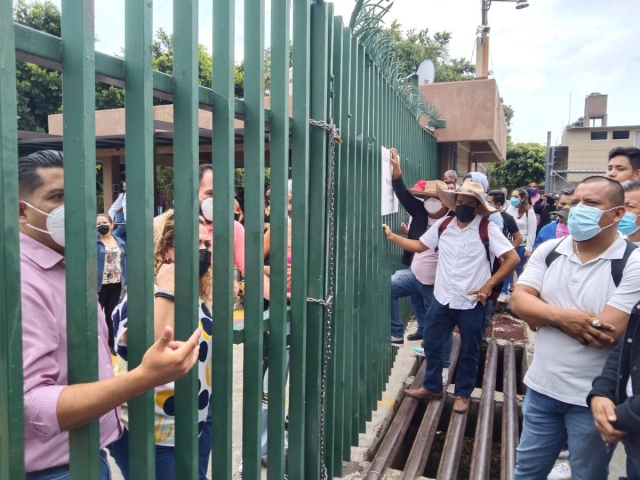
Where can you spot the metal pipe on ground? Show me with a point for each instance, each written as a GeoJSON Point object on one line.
{"type": "Point", "coordinates": [392, 441]}
{"type": "Point", "coordinates": [509, 415]}
{"type": "Point", "coordinates": [419, 454]}
{"type": "Point", "coordinates": [450, 460]}
{"type": "Point", "coordinates": [481, 457]}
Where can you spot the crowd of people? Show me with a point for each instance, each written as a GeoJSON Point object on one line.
{"type": "Point", "coordinates": [52, 408]}
{"type": "Point", "coordinates": [567, 264]}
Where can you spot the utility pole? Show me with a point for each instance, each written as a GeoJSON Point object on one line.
{"type": "Point", "coordinates": [482, 42]}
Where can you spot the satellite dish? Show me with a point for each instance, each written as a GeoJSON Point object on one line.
{"type": "Point", "coordinates": [426, 72]}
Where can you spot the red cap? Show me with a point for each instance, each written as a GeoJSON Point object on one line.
{"type": "Point", "coordinates": [420, 184]}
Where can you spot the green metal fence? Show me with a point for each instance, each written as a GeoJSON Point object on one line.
{"type": "Point", "coordinates": [344, 78]}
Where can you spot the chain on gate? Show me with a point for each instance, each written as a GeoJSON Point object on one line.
{"type": "Point", "coordinates": [328, 303]}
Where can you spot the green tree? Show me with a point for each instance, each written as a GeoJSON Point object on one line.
{"type": "Point", "coordinates": [525, 164]}
{"type": "Point", "coordinates": [455, 70]}
{"type": "Point", "coordinates": [414, 46]}
{"type": "Point", "coordinates": [162, 51]}
{"type": "Point", "coordinates": [39, 89]}
{"type": "Point", "coordinates": [509, 112]}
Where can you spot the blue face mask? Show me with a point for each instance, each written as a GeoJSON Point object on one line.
{"type": "Point", "coordinates": [584, 222]}
{"type": "Point", "coordinates": [627, 225]}
{"type": "Point", "coordinates": [533, 192]}
{"type": "Point", "coordinates": [515, 202]}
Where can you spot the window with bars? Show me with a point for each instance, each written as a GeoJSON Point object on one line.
{"type": "Point", "coordinates": [621, 135]}
{"type": "Point", "coordinates": [599, 135]}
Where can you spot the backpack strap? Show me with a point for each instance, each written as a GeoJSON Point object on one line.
{"type": "Point", "coordinates": [443, 226]}
{"type": "Point", "coordinates": [618, 265]}
{"type": "Point", "coordinates": [484, 237]}
{"type": "Point", "coordinates": [553, 255]}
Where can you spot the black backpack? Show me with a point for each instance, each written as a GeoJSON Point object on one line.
{"type": "Point", "coordinates": [617, 266]}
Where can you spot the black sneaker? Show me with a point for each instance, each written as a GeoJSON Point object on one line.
{"type": "Point", "coordinates": [397, 341]}
{"type": "Point", "coordinates": [414, 337]}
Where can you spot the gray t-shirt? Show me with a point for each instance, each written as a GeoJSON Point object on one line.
{"type": "Point", "coordinates": [562, 368]}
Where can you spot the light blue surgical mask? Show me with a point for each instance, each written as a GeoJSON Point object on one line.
{"type": "Point", "coordinates": [584, 222]}
{"type": "Point", "coordinates": [627, 225]}
{"type": "Point", "coordinates": [515, 202]}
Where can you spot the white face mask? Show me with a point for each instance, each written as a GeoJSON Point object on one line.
{"type": "Point", "coordinates": [432, 205]}
{"type": "Point", "coordinates": [55, 223]}
{"type": "Point", "coordinates": [207, 209]}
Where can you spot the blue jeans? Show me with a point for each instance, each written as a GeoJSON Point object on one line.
{"type": "Point", "coordinates": [62, 472]}
{"type": "Point", "coordinates": [518, 270]}
{"type": "Point", "coordinates": [437, 334]}
{"type": "Point", "coordinates": [405, 284]}
{"type": "Point", "coordinates": [165, 458]}
{"type": "Point", "coordinates": [548, 425]}
{"type": "Point", "coordinates": [204, 447]}
{"type": "Point", "coordinates": [121, 232]}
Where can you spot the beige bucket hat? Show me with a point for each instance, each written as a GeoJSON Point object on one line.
{"type": "Point", "coordinates": [469, 189]}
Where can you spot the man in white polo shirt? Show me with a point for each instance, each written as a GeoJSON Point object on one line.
{"type": "Point", "coordinates": [578, 293]}
{"type": "Point", "coordinates": [464, 280]}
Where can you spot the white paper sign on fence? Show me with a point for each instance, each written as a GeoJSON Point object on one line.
{"type": "Point", "coordinates": [389, 200]}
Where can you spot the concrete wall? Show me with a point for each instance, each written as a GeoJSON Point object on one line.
{"type": "Point", "coordinates": [473, 112]}
{"type": "Point", "coordinates": [587, 154]}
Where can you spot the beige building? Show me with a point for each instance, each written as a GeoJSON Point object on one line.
{"type": "Point", "coordinates": [589, 140]}
{"type": "Point", "coordinates": [475, 133]}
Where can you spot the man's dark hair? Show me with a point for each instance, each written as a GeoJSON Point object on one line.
{"type": "Point", "coordinates": [613, 191]}
{"type": "Point", "coordinates": [632, 153]}
{"type": "Point", "coordinates": [29, 180]}
{"type": "Point", "coordinates": [567, 191]}
{"type": "Point", "coordinates": [203, 168]}
{"type": "Point", "coordinates": [468, 175]}
{"type": "Point", "coordinates": [498, 197]}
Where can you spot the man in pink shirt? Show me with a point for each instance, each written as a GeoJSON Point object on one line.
{"type": "Point", "coordinates": [205, 194]}
{"type": "Point", "coordinates": [51, 406]}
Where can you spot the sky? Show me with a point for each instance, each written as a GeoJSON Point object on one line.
{"type": "Point", "coordinates": [545, 58]}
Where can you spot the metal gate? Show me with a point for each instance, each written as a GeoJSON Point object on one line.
{"type": "Point", "coordinates": [343, 77]}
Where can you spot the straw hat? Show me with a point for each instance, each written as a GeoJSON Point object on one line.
{"type": "Point", "coordinates": [423, 188]}
{"type": "Point", "coordinates": [469, 189]}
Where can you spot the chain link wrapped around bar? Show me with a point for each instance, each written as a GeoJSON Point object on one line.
{"type": "Point", "coordinates": [328, 303]}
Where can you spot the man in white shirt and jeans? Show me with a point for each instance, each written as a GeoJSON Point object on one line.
{"type": "Point", "coordinates": [463, 282]}
{"type": "Point", "coordinates": [577, 292]}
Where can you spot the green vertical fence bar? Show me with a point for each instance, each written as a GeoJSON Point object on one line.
{"type": "Point", "coordinates": [375, 234]}
{"type": "Point", "coordinates": [340, 99]}
{"type": "Point", "coordinates": [368, 295]}
{"type": "Point", "coordinates": [300, 235]}
{"type": "Point", "coordinates": [362, 289]}
{"type": "Point", "coordinates": [349, 162]}
{"type": "Point", "coordinates": [140, 195]}
{"type": "Point", "coordinates": [279, 156]}
{"type": "Point", "coordinates": [358, 386]}
{"type": "Point", "coordinates": [185, 164]}
{"type": "Point", "coordinates": [11, 406]}
{"type": "Point", "coordinates": [223, 137]}
{"type": "Point", "coordinates": [333, 71]}
{"type": "Point", "coordinates": [254, 228]}
{"type": "Point", "coordinates": [78, 103]}
{"type": "Point", "coordinates": [317, 218]}
{"type": "Point", "coordinates": [384, 141]}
